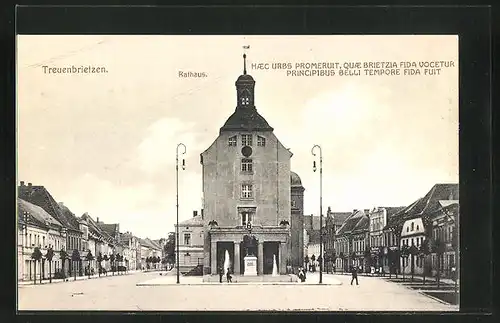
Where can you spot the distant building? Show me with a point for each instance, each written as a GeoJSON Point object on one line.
{"type": "Point", "coordinates": [351, 240]}
{"type": "Point", "coordinates": [333, 222]}
{"type": "Point", "coordinates": [37, 228]}
{"type": "Point", "coordinates": [378, 239]}
{"type": "Point", "coordinates": [191, 243]}
{"type": "Point", "coordinates": [39, 195]}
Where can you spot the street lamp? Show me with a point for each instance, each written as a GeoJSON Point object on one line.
{"type": "Point", "coordinates": [177, 197]}
{"type": "Point", "coordinates": [320, 207]}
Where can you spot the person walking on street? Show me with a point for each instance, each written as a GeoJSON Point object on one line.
{"type": "Point", "coordinates": [229, 277]}
{"type": "Point", "coordinates": [354, 272]}
{"type": "Point", "coordinates": [221, 273]}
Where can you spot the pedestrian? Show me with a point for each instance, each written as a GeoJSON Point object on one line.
{"type": "Point", "coordinates": [354, 272]}
{"type": "Point", "coordinates": [221, 273]}
{"type": "Point", "coordinates": [229, 277]}
{"type": "Point", "coordinates": [302, 276]}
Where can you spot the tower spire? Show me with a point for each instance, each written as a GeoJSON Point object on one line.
{"type": "Point", "coordinates": [244, 64]}
{"type": "Point", "coordinates": [245, 59]}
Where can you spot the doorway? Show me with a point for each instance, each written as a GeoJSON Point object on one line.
{"type": "Point", "coordinates": [271, 249]}
{"type": "Point", "coordinates": [222, 246]}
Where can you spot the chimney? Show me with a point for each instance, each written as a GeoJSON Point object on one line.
{"type": "Point", "coordinates": [355, 210]}
{"type": "Point", "coordinates": [22, 183]}
{"type": "Point", "coordinates": [29, 184]}
{"type": "Point", "coordinates": [367, 211]}
{"type": "Point", "coordinates": [195, 213]}
{"type": "Point", "coordinates": [97, 220]}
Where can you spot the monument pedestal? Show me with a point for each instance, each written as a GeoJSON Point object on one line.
{"type": "Point", "coordinates": [250, 268]}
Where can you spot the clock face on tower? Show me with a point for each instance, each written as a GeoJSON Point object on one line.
{"type": "Point", "coordinates": [246, 151]}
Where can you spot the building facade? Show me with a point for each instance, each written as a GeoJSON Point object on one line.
{"type": "Point", "coordinates": [191, 242]}
{"type": "Point", "coordinates": [246, 191]}
{"type": "Point", "coordinates": [379, 241]}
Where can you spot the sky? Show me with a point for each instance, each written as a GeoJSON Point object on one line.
{"type": "Point", "coordinates": [106, 143]}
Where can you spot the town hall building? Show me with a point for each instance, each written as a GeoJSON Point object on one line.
{"type": "Point", "coordinates": [253, 204]}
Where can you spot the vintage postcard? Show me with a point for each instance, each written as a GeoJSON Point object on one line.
{"type": "Point", "coordinates": [236, 173]}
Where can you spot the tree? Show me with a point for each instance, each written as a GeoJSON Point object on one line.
{"type": "Point", "coordinates": [89, 257]}
{"type": "Point", "coordinates": [413, 251]}
{"type": "Point", "coordinates": [49, 255]}
{"type": "Point", "coordinates": [439, 248]}
{"type": "Point", "coordinates": [169, 248]}
{"type": "Point", "coordinates": [63, 255]}
{"type": "Point", "coordinates": [106, 258]}
{"type": "Point", "coordinates": [37, 256]}
{"type": "Point", "coordinates": [99, 260]}
{"type": "Point", "coordinates": [404, 253]}
{"type": "Point", "coordinates": [424, 251]}
{"type": "Point", "coordinates": [117, 260]}
{"type": "Point", "coordinates": [367, 255]}
{"type": "Point", "coordinates": [112, 260]}
{"type": "Point", "coordinates": [75, 257]}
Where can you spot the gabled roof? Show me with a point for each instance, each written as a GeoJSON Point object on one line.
{"type": "Point", "coordinates": [40, 196]}
{"type": "Point", "coordinates": [155, 244]}
{"type": "Point", "coordinates": [431, 201]}
{"type": "Point", "coordinates": [362, 225]}
{"type": "Point", "coordinates": [111, 229]}
{"type": "Point", "coordinates": [351, 222]}
{"type": "Point", "coordinates": [339, 217]}
{"type": "Point", "coordinates": [93, 227]}
{"type": "Point", "coordinates": [194, 221]}
{"type": "Point", "coordinates": [37, 215]}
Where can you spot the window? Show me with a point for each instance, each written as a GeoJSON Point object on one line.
{"type": "Point", "coordinates": [417, 227]}
{"type": "Point", "coordinates": [43, 239]}
{"type": "Point", "coordinates": [412, 227]}
{"type": "Point", "coordinates": [261, 141]}
{"type": "Point", "coordinates": [30, 240]}
{"type": "Point", "coordinates": [246, 140]}
{"type": "Point", "coordinates": [294, 204]}
{"type": "Point", "coordinates": [245, 100]}
{"type": "Point", "coordinates": [246, 191]}
{"type": "Point", "coordinates": [412, 242]}
{"type": "Point", "coordinates": [187, 239]}
{"type": "Point", "coordinates": [232, 141]}
{"type": "Point", "coordinates": [246, 165]}
{"type": "Point", "coordinates": [246, 217]}
{"type": "Point", "coordinates": [407, 229]}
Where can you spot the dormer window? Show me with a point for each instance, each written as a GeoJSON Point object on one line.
{"type": "Point", "coordinates": [261, 141]}
{"type": "Point", "coordinates": [232, 141]}
{"type": "Point", "coordinates": [245, 101]}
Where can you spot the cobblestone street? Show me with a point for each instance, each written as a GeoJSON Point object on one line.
{"type": "Point", "coordinates": [121, 293]}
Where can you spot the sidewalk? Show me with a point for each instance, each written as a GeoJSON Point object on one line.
{"type": "Point", "coordinates": [72, 278]}
{"type": "Point", "coordinates": [407, 277]}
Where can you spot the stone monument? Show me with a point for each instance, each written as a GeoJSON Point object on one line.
{"type": "Point", "coordinates": [250, 268]}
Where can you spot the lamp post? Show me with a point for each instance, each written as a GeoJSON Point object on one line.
{"type": "Point", "coordinates": [320, 207]}
{"type": "Point", "coordinates": [177, 198]}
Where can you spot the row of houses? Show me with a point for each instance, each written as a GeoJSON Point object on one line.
{"type": "Point", "coordinates": [420, 238]}
{"type": "Point", "coordinates": [80, 244]}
